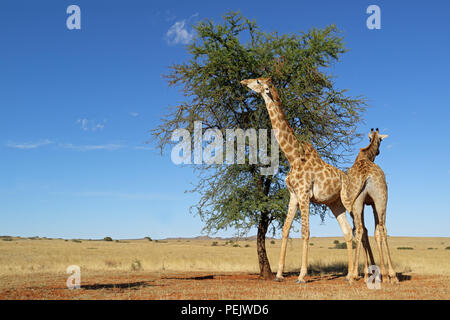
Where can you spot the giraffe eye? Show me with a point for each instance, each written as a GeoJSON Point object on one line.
{"type": "Point", "coordinates": [257, 81]}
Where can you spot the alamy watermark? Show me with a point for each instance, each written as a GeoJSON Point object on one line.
{"type": "Point", "coordinates": [74, 280]}
{"type": "Point", "coordinates": [374, 281]}
{"type": "Point", "coordinates": [74, 20]}
{"type": "Point", "coordinates": [374, 20]}
{"type": "Point", "coordinates": [208, 147]}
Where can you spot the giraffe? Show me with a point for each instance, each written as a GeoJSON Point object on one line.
{"type": "Point", "coordinates": [365, 183]}
{"type": "Point", "coordinates": [310, 179]}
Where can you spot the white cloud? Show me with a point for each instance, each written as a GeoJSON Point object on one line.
{"type": "Point", "coordinates": [109, 147]}
{"type": "Point", "coordinates": [169, 16]}
{"type": "Point", "coordinates": [178, 33]}
{"type": "Point", "coordinates": [83, 123]}
{"type": "Point", "coordinates": [143, 148]}
{"type": "Point", "coordinates": [120, 195]}
{"type": "Point", "coordinates": [91, 125]}
{"type": "Point", "coordinates": [134, 114]}
{"type": "Point", "coordinates": [29, 145]}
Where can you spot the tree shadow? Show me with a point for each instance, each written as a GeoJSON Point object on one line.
{"type": "Point", "coordinates": [320, 272]}
{"type": "Point", "coordinates": [126, 285]}
{"type": "Point", "coordinates": [208, 277]}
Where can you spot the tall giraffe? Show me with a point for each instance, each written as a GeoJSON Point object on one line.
{"type": "Point", "coordinates": [310, 179]}
{"type": "Point", "coordinates": [365, 183]}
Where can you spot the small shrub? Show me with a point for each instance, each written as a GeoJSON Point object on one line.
{"type": "Point", "coordinates": [7, 239]}
{"type": "Point", "coordinates": [111, 263]}
{"type": "Point", "coordinates": [405, 248]}
{"type": "Point", "coordinates": [448, 248]}
{"type": "Point", "coordinates": [150, 239]}
{"type": "Point", "coordinates": [236, 245]}
{"type": "Point", "coordinates": [336, 242]}
{"type": "Point", "coordinates": [343, 245]}
{"type": "Point", "coordinates": [311, 244]}
{"type": "Point", "coordinates": [247, 245]}
{"type": "Point", "coordinates": [107, 239]}
{"type": "Point", "coordinates": [136, 265]}
{"type": "Point", "coordinates": [76, 240]}
{"type": "Point", "coordinates": [272, 241]}
{"type": "Point", "coordinates": [214, 244]}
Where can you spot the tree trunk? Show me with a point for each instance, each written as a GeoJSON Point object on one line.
{"type": "Point", "coordinates": [264, 266]}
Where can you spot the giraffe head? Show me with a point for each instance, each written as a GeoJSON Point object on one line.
{"type": "Point", "coordinates": [375, 139]}
{"type": "Point", "coordinates": [259, 85]}
{"type": "Point", "coordinates": [376, 135]}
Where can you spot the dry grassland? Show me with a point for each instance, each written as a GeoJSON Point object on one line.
{"type": "Point", "coordinates": [128, 267]}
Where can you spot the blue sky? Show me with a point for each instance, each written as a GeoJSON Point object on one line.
{"type": "Point", "coordinates": [77, 106]}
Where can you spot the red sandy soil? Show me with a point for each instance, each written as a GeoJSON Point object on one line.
{"type": "Point", "coordinates": [216, 286]}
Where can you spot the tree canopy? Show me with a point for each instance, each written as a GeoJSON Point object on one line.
{"type": "Point", "coordinates": [221, 55]}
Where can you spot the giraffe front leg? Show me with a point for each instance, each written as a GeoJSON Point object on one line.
{"type": "Point", "coordinates": [392, 273]}
{"type": "Point", "coordinates": [293, 205]}
{"type": "Point", "coordinates": [304, 208]}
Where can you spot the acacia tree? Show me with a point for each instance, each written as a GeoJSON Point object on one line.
{"type": "Point", "coordinates": [238, 196]}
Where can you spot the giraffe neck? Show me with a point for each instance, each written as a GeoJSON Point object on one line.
{"type": "Point", "coordinates": [283, 132]}
{"type": "Point", "coordinates": [371, 151]}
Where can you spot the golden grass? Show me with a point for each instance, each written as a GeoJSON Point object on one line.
{"type": "Point", "coordinates": [26, 256]}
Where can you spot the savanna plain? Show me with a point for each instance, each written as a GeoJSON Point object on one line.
{"type": "Point", "coordinates": [208, 268]}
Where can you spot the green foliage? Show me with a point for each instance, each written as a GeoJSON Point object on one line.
{"type": "Point", "coordinates": [405, 248]}
{"type": "Point", "coordinates": [214, 244]}
{"type": "Point", "coordinates": [238, 196]}
{"type": "Point", "coordinates": [149, 239]}
{"type": "Point", "coordinates": [76, 240]}
{"type": "Point", "coordinates": [447, 248]}
{"type": "Point", "coordinates": [272, 241]}
{"type": "Point", "coordinates": [107, 239]}
{"type": "Point", "coordinates": [342, 245]}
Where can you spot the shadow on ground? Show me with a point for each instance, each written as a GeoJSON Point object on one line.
{"type": "Point", "coordinates": [126, 285]}
{"type": "Point", "coordinates": [208, 277]}
{"type": "Point", "coordinates": [403, 277]}
{"type": "Point", "coordinates": [320, 272]}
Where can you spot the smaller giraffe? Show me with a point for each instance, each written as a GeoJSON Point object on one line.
{"type": "Point", "coordinates": [365, 183]}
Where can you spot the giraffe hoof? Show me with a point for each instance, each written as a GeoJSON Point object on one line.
{"type": "Point", "coordinates": [279, 279]}
{"type": "Point", "coordinates": [300, 281]}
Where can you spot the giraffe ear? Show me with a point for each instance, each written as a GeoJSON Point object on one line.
{"type": "Point", "coordinates": [383, 136]}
